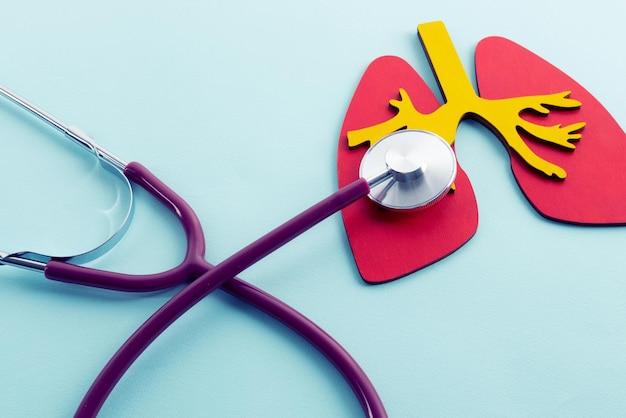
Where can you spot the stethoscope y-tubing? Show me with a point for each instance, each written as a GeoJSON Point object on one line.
{"type": "Point", "coordinates": [210, 278]}
{"type": "Point", "coordinates": [193, 266]}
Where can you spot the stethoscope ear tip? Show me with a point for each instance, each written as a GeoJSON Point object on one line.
{"type": "Point", "coordinates": [409, 169]}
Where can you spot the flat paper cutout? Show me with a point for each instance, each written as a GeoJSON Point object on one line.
{"type": "Point", "coordinates": [538, 113]}
{"type": "Point", "coordinates": [595, 170]}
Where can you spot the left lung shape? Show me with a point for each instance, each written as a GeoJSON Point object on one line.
{"type": "Point", "coordinates": [596, 172]}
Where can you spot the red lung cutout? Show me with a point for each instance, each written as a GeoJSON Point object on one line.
{"type": "Point", "coordinates": [388, 245]}
{"type": "Point", "coordinates": [591, 192]}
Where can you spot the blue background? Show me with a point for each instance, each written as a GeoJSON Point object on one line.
{"type": "Point", "coordinates": [237, 105]}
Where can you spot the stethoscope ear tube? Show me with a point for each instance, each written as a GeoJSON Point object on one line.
{"type": "Point", "coordinates": [191, 267]}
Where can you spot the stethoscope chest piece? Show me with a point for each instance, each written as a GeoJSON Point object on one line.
{"type": "Point", "coordinates": [414, 168]}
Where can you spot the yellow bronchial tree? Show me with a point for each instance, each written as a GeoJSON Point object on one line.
{"type": "Point", "coordinates": [502, 115]}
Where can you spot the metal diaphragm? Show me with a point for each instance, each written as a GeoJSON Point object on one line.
{"type": "Point", "coordinates": [418, 168]}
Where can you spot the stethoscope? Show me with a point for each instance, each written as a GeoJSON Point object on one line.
{"type": "Point", "coordinates": [407, 170]}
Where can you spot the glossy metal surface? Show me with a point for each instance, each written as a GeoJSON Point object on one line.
{"type": "Point", "coordinates": [409, 169]}
{"type": "Point", "coordinates": [36, 261]}
{"type": "Point", "coordinates": [72, 132]}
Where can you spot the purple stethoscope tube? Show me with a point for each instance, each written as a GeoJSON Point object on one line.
{"type": "Point", "coordinates": [406, 170]}
{"type": "Point", "coordinates": [203, 277]}
{"type": "Point", "coordinates": [206, 279]}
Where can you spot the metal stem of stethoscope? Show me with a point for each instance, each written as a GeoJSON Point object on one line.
{"type": "Point", "coordinates": [37, 262]}
{"type": "Point", "coordinates": [72, 132]}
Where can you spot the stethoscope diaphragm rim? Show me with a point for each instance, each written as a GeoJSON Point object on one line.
{"type": "Point", "coordinates": [431, 171]}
